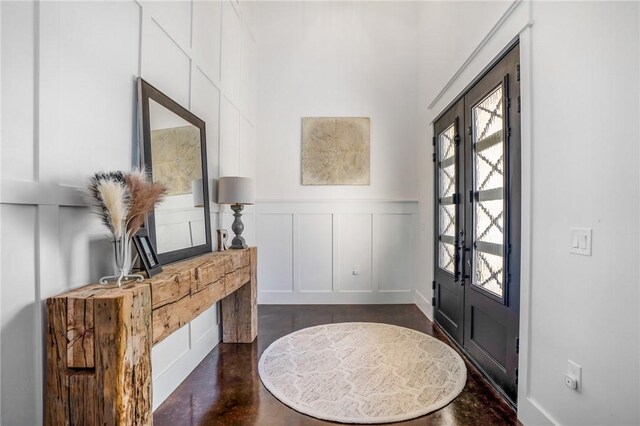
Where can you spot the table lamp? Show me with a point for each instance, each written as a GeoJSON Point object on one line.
{"type": "Point", "coordinates": [238, 192]}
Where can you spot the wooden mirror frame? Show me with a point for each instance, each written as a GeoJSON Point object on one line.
{"type": "Point", "coordinates": [146, 92]}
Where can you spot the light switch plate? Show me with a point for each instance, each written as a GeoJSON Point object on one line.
{"type": "Point", "coordinates": [580, 242]}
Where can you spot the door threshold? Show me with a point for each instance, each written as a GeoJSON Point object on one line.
{"type": "Point", "coordinates": [471, 363]}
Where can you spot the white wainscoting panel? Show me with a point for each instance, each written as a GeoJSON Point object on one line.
{"type": "Point", "coordinates": [19, 305]}
{"type": "Point", "coordinates": [247, 149]}
{"type": "Point", "coordinates": [84, 251]}
{"type": "Point", "coordinates": [18, 90]}
{"type": "Point", "coordinates": [395, 245]}
{"type": "Point", "coordinates": [180, 356]}
{"type": "Point", "coordinates": [204, 324]}
{"type": "Point", "coordinates": [231, 33]}
{"type": "Point", "coordinates": [173, 236]}
{"type": "Point", "coordinates": [315, 253]}
{"type": "Point", "coordinates": [205, 103]}
{"type": "Point", "coordinates": [165, 353]}
{"type": "Point", "coordinates": [206, 36]}
{"type": "Point", "coordinates": [98, 75]}
{"type": "Point", "coordinates": [318, 243]}
{"type": "Point", "coordinates": [354, 253]}
{"type": "Point", "coordinates": [276, 252]}
{"type": "Point", "coordinates": [173, 16]}
{"type": "Point", "coordinates": [248, 74]}
{"type": "Point", "coordinates": [164, 63]}
{"type": "Point", "coordinates": [229, 138]}
{"type": "Point", "coordinates": [68, 110]}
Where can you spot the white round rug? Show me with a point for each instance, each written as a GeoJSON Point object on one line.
{"type": "Point", "coordinates": [362, 372]}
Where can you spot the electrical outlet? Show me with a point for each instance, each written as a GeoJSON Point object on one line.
{"type": "Point", "coordinates": [573, 378]}
{"type": "Point", "coordinates": [356, 269]}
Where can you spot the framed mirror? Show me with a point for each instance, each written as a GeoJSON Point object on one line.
{"type": "Point", "coordinates": [174, 151]}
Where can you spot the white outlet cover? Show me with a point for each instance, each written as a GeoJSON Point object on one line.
{"type": "Point", "coordinates": [575, 371]}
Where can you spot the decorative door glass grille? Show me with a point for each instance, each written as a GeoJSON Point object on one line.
{"type": "Point", "coordinates": [476, 188]}
{"type": "Point", "coordinates": [447, 209]}
{"type": "Point", "coordinates": [488, 191]}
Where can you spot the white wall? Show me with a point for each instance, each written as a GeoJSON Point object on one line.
{"type": "Point", "coordinates": [68, 110]}
{"type": "Point", "coordinates": [344, 59]}
{"type": "Point", "coordinates": [580, 94]}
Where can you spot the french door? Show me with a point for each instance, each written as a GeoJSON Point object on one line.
{"type": "Point", "coordinates": [477, 250]}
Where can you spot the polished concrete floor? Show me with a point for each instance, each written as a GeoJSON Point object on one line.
{"type": "Point", "coordinates": [225, 388]}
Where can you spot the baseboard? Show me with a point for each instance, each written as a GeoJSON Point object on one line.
{"type": "Point", "coordinates": [170, 379]}
{"type": "Point", "coordinates": [338, 298]}
{"type": "Point", "coordinates": [531, 414]}
{"type": "Point", "coordinates": [424, 304]}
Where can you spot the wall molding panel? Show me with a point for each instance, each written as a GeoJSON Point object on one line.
{"type": "Point", "coordinates": [75, 113]}
{"type": "Point", "coordinates": [195, 47]}
{"type": "Point", "coordinates": [319, 252]}
{"type": "Point", "coordinates": [37, 193]}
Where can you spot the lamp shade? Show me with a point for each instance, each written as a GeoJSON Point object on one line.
{"type": "Point", "coordinates": [198, 193]}
{"type": "Point", "coordinates": [236, 190]}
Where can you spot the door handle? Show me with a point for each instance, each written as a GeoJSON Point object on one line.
{"type": "Point", "coordinates": [460, 249]}
{"type": "Point", "coordinates": [465, 261]}
{"type": "Point", "coordinates": [456, 264]}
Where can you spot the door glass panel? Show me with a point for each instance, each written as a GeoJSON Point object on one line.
{"type": "Point", "coordinates": [488, 272]}
{"type": "Point", "coordinates": [447, 210]}
{"type": "Point", "coordinates": [446, 256]}
{"type": "Point", "coordinates": [488, 164]}
{"type": "Point", "coordinates": [447, 219]}
{"type": "Point", "coordinates": [489, 216]}
{"type": "Point", "coordinates": [447, 180]}
{"type": "Point", "coordinates": [488, 167]}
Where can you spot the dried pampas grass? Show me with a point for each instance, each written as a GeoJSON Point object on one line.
{"type": "Point", "coordinates": [112, 199]}
{"type": "Point", "coordinates": [123, 200]}
{"type": "Point", "coordinates": [145, 195]}
{"type": "Point", "coordinates": [117, 200]}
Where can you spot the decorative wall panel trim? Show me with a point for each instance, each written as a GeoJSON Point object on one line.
{"type": "Point", "coordinates": [344, 267]}
{"type": "Point", "coordinates": [53, 192]}
{"type": "Point", "coordinates": [331, 201]}
{"type": "Point", "coordinates": [36, 193]}
{"type": "Point", "coordinates": [338, 298]}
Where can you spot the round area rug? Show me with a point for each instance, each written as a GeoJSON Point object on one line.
{"type": "Point", "coordinates": [362, 372]}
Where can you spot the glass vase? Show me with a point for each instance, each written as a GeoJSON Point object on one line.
{"type": "Point", "coordinates": [122, 253]}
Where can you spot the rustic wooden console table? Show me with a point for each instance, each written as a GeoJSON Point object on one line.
{"type": "Point", "coordinates": [99, 337]}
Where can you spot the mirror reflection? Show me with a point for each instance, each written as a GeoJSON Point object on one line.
{"type": "Point", "coordinates": [176, 162]}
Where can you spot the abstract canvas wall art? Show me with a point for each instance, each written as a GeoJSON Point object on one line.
{"type": "Point", "coordinates": [335, 151]}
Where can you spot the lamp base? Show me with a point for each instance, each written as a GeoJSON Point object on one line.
{"type": "Point", "coordinates": [237, 227]}
{"type": "Point", "coordinates": [238, 243]}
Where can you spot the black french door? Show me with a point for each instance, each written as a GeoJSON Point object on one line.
{"type": "Point", "coordinates": [477, 250]}
{"type": "Point", "coordinates": [450, 172]}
